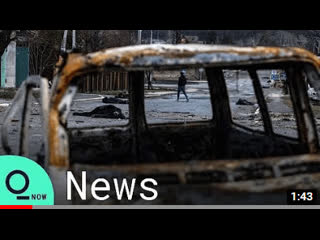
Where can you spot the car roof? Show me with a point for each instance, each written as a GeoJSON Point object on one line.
{"type": "Point", "coordinates": [166, 56]}
{"type": "Point", "coordinates": [181, 56]}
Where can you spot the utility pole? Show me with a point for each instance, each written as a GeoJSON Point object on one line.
{"type": "Point", "coordinates": [64, 40]}
{"type": "Point", "coordinates": [74, 42]}
{"type": "Point", "coordinates": [149, 73]}
{"type": "Point", "coordinates": [10, 62]}
{"type": "Point", "coordinates": [139, 37]}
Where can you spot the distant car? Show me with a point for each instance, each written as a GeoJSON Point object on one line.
{"type": "Point", "coordinates": [278, 75]}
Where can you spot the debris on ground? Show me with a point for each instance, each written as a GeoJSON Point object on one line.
{"type": "Point", "coordinates": [108, 111]}
{"type": "Point", "coordinates": [242, 101]}
{"type": "Point", "coordinates": [8, 93]}
{"type": "Point", "coordinates": [114, 100]}
{"type": "Point", "coordinates": [257, 112]}
{"type": "Point", "coordinates": [313, 95]}
{"type": "Point", "coordinates": [3, 108]}
{"type": "Point", "coordinates": [123, 95]}
{"type": "Point", "coordinates": [276, 84]}
{"type": "Point", "coordinates": [229, 74]}
{"type": "Point", "coordinates": [282, 116]}
{"type": "Point", "coordinates": [315, 102]}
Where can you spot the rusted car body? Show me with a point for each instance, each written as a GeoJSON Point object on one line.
{"type": "Point", "coordinates": [217, 153]}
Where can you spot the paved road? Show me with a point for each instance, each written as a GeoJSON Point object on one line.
{"type": "Point", "coordinates": [161, 106]}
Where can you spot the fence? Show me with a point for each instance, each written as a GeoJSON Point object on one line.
{"type": "Point", "coordinates": [104, 81]}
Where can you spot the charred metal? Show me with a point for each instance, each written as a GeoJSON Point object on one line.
{"type": "Point", "coordinates": [217, 151]}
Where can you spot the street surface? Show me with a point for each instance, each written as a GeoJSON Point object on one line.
{"type": "Point", "coordinates": [161, 106]}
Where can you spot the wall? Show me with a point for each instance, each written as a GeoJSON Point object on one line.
{"type": "Point", "coordinates": [11, 65]}
{"type": "Point", "coordinates": [22, 65]}
{"type": "Point", "coordinates": [104, 81]}
{"type": "Point", "coordinates": [14, 66]}
{"type": "Point", "coordinates": [3, 69]}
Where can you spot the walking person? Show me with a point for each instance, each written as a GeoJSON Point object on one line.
{"type": "Point", "coordinates": [182, 85]}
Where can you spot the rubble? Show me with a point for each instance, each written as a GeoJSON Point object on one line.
{"type": "Point", "coordinates": [114, 100]}
{"type": "Point", "coordinates": [3, 108]}
{"type": "Point", "coordinates": [122, 95]}
{"type": "Point", "coordinates": [244, 102]}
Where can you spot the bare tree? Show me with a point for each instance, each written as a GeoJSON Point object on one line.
{"type": "Point", "coordinates": [211, 37]}
{"type": "Point", "coordinates": [94, 40]}
{"type": "Point", "coordinates": [6, 36]}
{"type": "Point", "coordinates": [44, 50]}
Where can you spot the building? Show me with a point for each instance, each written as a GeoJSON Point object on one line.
{"type": "Point", "coordinates": [14, 66]}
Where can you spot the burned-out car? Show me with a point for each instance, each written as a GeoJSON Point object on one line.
{"type": "Point", "coordinates": [216, 157]}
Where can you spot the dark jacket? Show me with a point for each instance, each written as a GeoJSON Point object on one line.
{"type": "Point", "coordinates": [182, 80]}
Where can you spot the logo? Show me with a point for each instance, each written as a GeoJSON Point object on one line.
{"type": "Point", "coordinates": [24, 182]}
